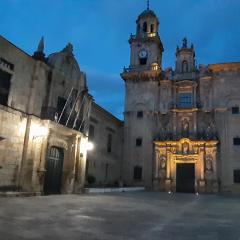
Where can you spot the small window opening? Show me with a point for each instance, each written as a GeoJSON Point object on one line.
{"type": "Point", "coordinates": [143, 61]}
{"type": "Point", "coordinates": [91, 132]}
{"type": "Point", "coordinates": [236, 176]}
{"type": "Point", "coordinates": [236, 141]}
{"type": "Point", "coordinates": [235, 110]}
{"type": "Point", "coordinates": [145, 27]}
{"type": "Point", "coordinates": [109, 143]}
{"type": "Point", "coordinates": [137, 175]}
{"type": "Point", "coordinates": [152, 28]}
{"type": "Point", "coordinates": [5, 82]}
{"type": "Point", "coordinates": [140, 114]}
{"type": "Point", "coordinates": [139, 142]}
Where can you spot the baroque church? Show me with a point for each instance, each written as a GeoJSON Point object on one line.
{"type": "Point", "coordinates": [180, 132]}
{"type": "Point", "coordinates": [182, 125]}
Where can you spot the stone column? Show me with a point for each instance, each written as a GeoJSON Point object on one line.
{"type": "Point", "coordinates": [41, 168]}
{"type": "Point", "coordinates": [215, 173]}
{"type": "Point", "coordinates": [201, 181]}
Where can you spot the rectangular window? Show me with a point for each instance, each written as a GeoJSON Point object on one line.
{"type": "Point", "coordinates": [109, 143]}
{"type": "Point", "coordinates": [185, 100]}
{"type": "Point", "coordinates": [236, 141]}
{"type": "Point", "coordinates": [91, 132]}
{"type": "Point", "coordinates": [140, 114]}
{"type": "Point", "coordinates": [235, 110]}
{"type": "Point", "coordinates": [236, 176]}
{"type": "Point", "coordinates": [137, 175]}
{"type": "Point", "coordinates": [5, 82]}
{"type": "Point", "coordinates": [139, 142]}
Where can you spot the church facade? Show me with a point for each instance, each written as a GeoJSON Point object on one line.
{"type": "Point", "coordinates": [182, 125]}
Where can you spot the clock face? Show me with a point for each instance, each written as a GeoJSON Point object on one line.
{"type": "Point", "coordinates": [142, 54]}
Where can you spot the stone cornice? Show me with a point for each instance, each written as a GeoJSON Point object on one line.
{"type": "Point", "coordinates": [224, 67]}
{"type": "Point", "coordinates": [142, 75]}
{"type": "Point", "coordinates": [189, 110]}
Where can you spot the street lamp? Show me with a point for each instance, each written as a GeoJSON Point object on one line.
{"type": "Point", "coordinates": [90, 146]}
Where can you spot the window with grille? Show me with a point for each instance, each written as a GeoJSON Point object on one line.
{"type": "Point", "coordinates": [235, 110]}
{"type": "Point", "coordinates": [236, 141]}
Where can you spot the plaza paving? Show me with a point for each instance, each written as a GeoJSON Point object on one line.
{"type": "Point", "coordinates": [120, 216]}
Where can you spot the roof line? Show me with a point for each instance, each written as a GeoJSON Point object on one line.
{"type": "Point", "coordinates": [16, 47]}
{"type": "Point", "coordinates": [107, 112]}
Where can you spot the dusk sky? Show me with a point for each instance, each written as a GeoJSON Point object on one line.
{"type": "Point", "coordinates": [99, 31]}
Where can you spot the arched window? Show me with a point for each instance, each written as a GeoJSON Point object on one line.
{"type": "Point", "coordinates": [145, 27]}
{"type": "Point", "coordinates": [184, 66]}
{"type": "Point", "coordinates": [152, 28]}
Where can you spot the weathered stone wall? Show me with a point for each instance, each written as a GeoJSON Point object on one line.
{"type": "Point", "coordinates": [104, 123]}
{"type": "Point", "coordinates": [12, 129]}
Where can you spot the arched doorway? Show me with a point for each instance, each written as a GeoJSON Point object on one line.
{"type": "Point", "coordinates": [54, 168]}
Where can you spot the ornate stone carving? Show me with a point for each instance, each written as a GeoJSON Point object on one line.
{"type": "Point", "coordinates": [185, 148]}
{"type": "Point", "coordinates": [163, 162]}
{"type": "Point", "coordinates": [208, 164]}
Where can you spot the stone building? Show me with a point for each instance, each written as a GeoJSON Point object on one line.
{"type": "Point", "coordinates": [181, 129]}
{"type": "Point", "coordinates": [44, 120]}
{"type": "Point", "coordinates": [104, 162]}
{"type": "Point", "coordinates": [182, 125]}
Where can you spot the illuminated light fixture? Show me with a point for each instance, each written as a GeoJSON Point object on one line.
{"type": "Point", "coordinates": [152, 35]}
{"type": "Point", "coordinates": [39, 131]}
{"type": "Point", "coordinates": [90, 146]}
{"type": "Point", "coordinates": [197, 193]}
{"type": "Point", "coordinates": [169, 192]}
{"type": "Point", "coordinates": [155, 67]}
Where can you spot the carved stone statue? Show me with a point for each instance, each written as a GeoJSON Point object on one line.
{"type": "Point", "coordinates": [163, 162]}
{"type": "Point", "coordinates": [185, 148]}
{"type": "Point", "coordinates": [208, 164]}
{"type": "Point", "coordinates": [185, 128]}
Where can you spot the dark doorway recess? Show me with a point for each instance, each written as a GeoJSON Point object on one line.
{"type": "Point", "coordinates": [54, 168]}
{"type": "Point", "coordinates": [185, 178]}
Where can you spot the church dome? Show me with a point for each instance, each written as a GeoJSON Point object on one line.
{"type": "Point", "coordinates": [65, 62]}
{"type": "Point", "coordinates": [147, 13]}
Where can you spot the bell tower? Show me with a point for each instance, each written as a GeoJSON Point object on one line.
{"type": "Point", "coordinates": [185, 62]}
{"type": "Point", "coordinates": [142, 79]}
{"type": "Point", "coordinates": [146, 45]}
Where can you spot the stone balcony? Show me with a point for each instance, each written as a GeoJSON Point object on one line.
{"type": "Point", "coordinates": [152, 71]}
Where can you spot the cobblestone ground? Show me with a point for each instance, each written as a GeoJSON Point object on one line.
{"type": "Point", "coordinates": [141, 216]}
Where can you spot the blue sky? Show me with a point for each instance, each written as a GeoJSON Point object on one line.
{"type": "Point", "coordinates": [99, 31]}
